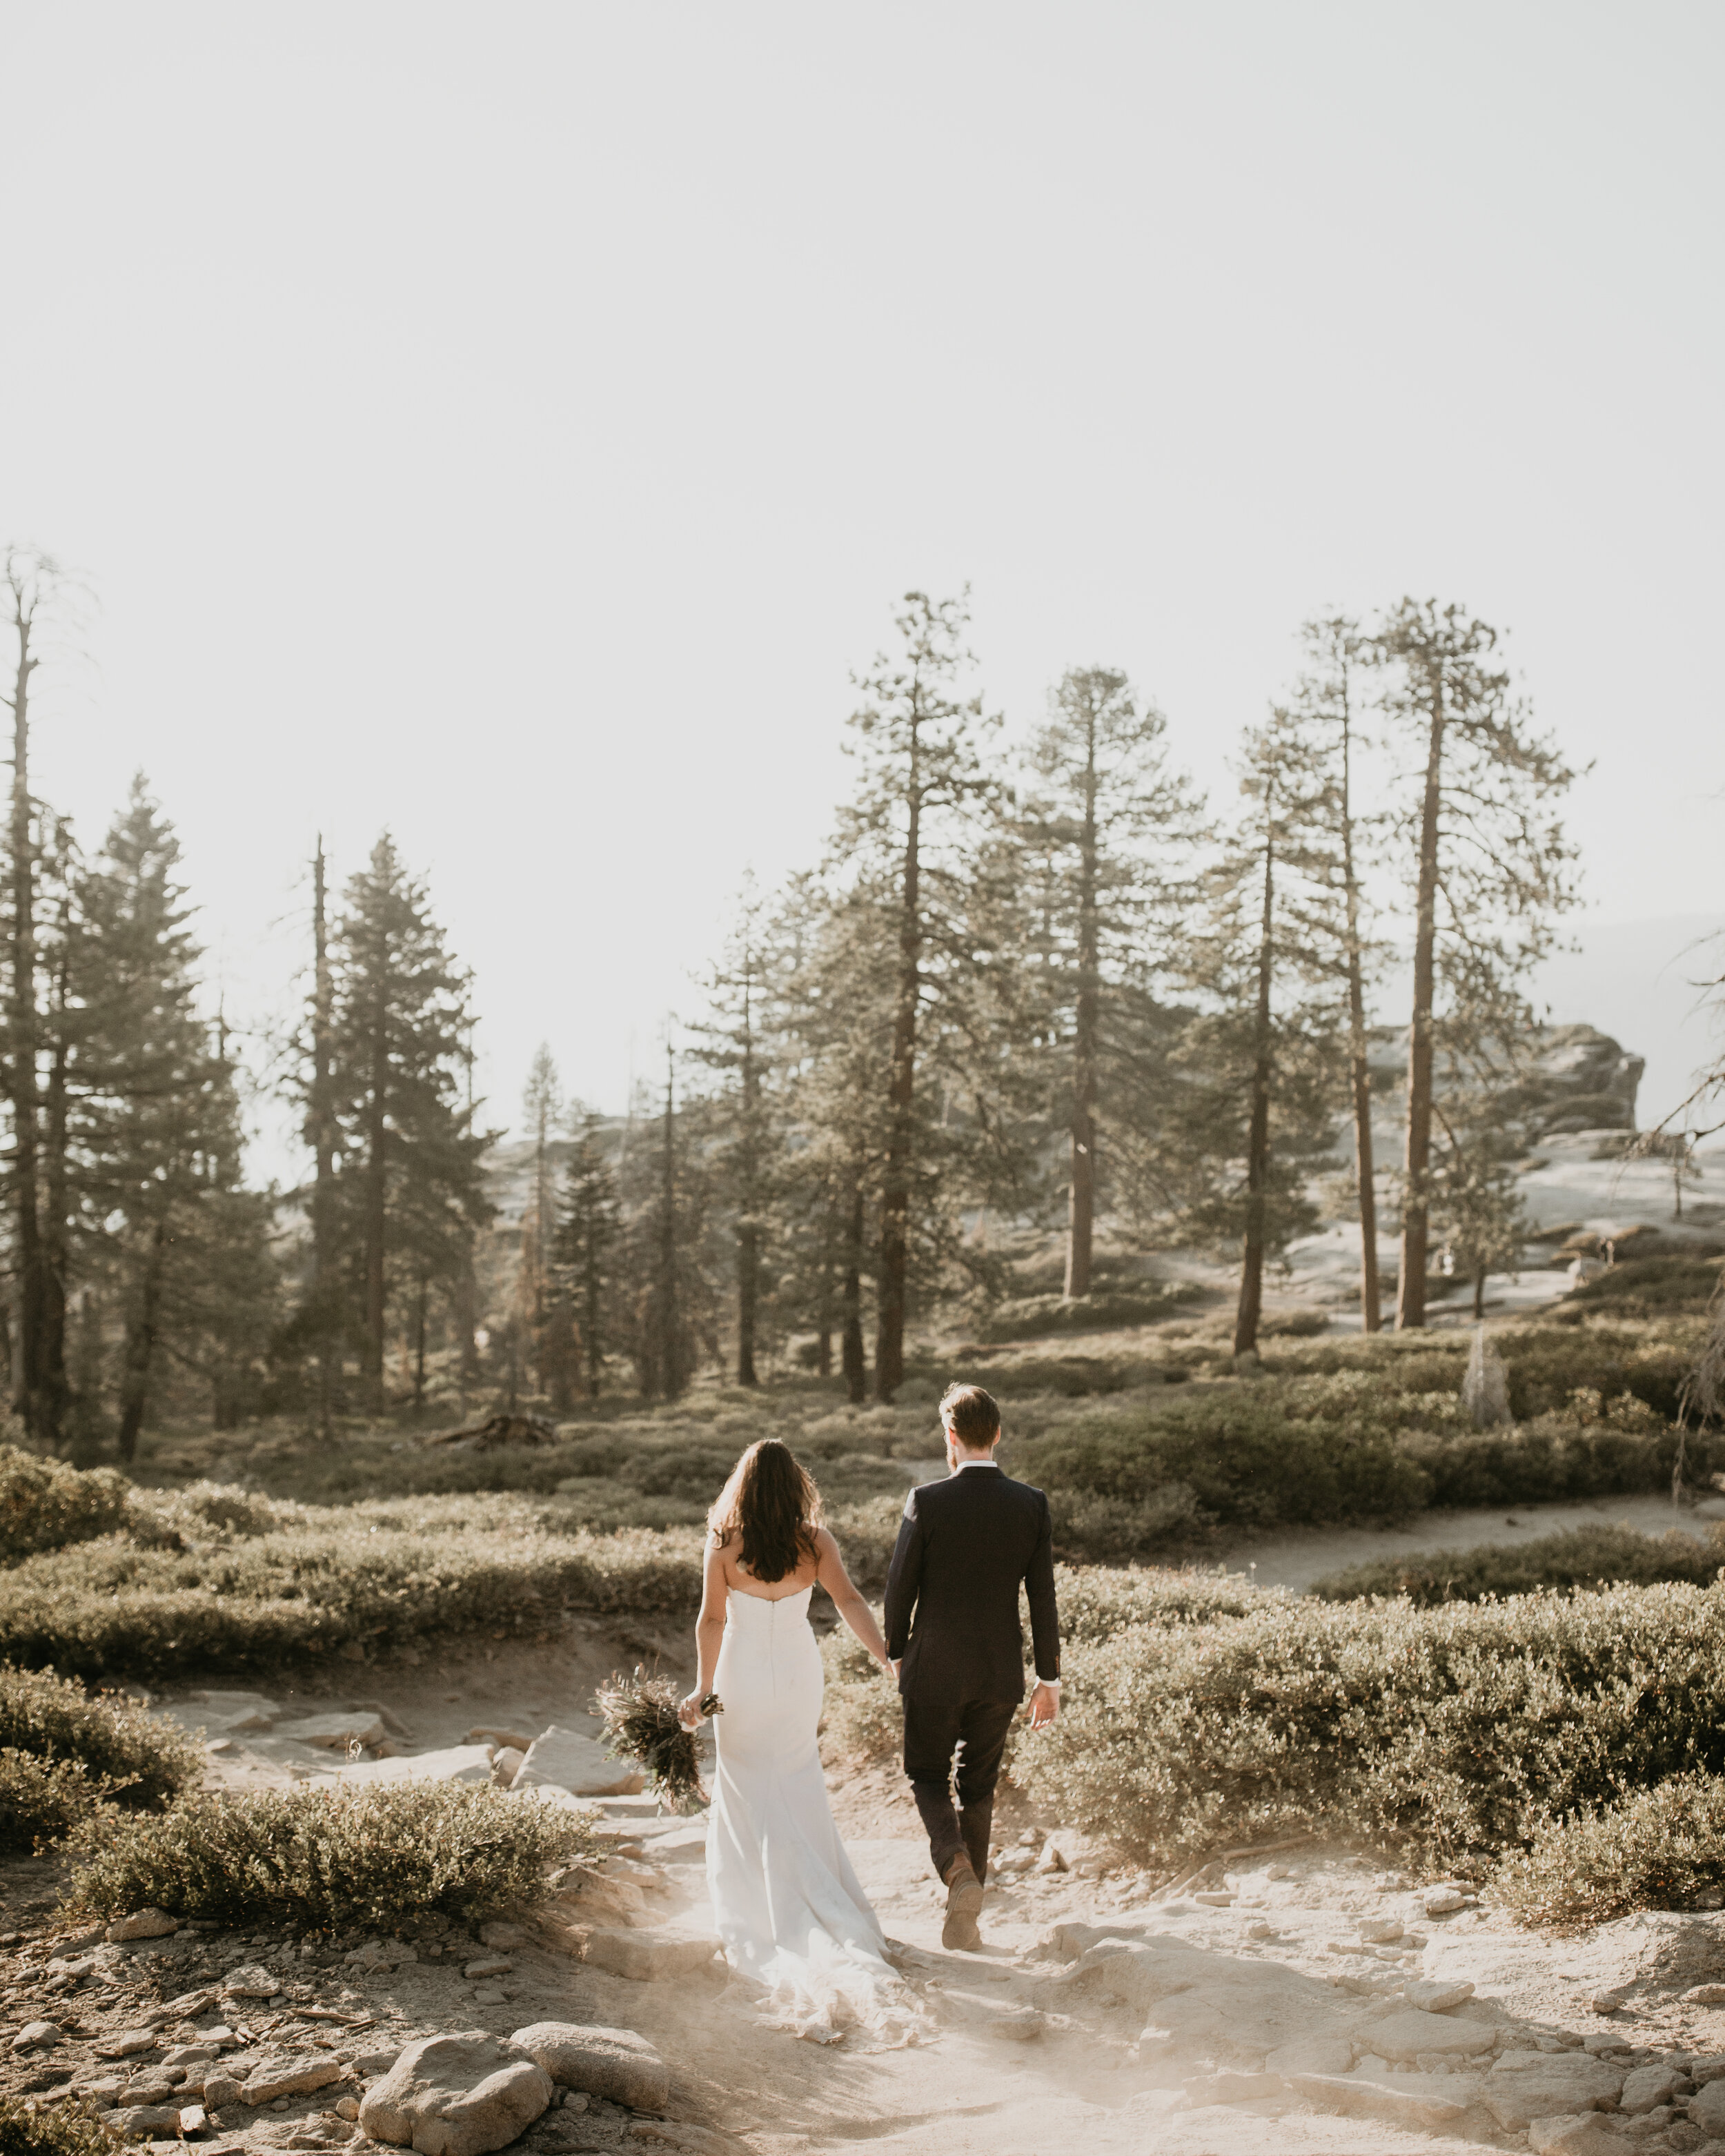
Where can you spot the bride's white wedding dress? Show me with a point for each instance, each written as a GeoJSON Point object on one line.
{"type": "Point", "coordinates": [789, 1906]}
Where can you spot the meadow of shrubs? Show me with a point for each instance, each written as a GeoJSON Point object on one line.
{"type": "Point", "coordinates": [1451, 1708]}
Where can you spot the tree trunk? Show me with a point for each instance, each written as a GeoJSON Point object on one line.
{"type": "Point", "coordinates": [141, 1346]}
{"type": "Point", "coordinates": [671, 1372]}
{"type": "Point", "coordinates": [1371, 1300]}
{"type": "Point", "coordinates": [419, 1344]}
{"type": "Point", "coordinates": [823, 1312]}
{"type": "Point", "coordinates": [57, 1391]}
{"type": "Point", "coordinates": [890, 1288]}
{"type": "Point", "coordinates": [1251, 1269]}
{"type": "Point", "coordinates": [1082, 1203]}
{"type": "Point", "coordinates": [1410, 1289]}
{"type": "Point", "coordinates": [323, 1141]}
{"type": "Point", "coordinates": [26, 1109]}
{"type": "Point", "coordinates": [857, 1375]}
{"type": "Point", "coordinates": [748, 1234]}
{"type": "Point", "coordinates": [1479, 1294]}
{"type": "Point", "coordinates": [592, 1345]}
{"type": "Point", "coordinates": [377, 1193]}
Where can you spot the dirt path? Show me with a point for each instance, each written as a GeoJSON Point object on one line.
{"type": "Point", "coordinates": [1297, 1555]}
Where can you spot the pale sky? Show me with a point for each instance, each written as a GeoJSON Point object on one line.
{"type": "Point", "coordinates": [511, 424]}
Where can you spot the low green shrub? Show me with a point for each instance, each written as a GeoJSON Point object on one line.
{"type": "Point", "coordinates": [112, 1739]}
{"type": "Point", "coordinates": [44, 1799]}
{"type": "Point", "coordinates": [1579, 1557]}
{"type": "Point", "coordinates": [1657, 1849]}
{"type": "Point", "coordinates": [1303, 1449]}
{"type": "Point", "coordinates": [1034, 1316]}
{"type": "Point", "coordinates": [1553, 1457]}
{"type": "Point", "coordinates": [373, 1855]}
{"type": "Point", "coordinates": [112, 1608]}
{"type": "Point", "coordinates": [1650, 1287]}
{"type": "Point", "coordinates": [1449, 1730]}
{"type": "Point", "coordinates": [45, 1505]}
{"type": "Point", "coordinates": [27, 2129]}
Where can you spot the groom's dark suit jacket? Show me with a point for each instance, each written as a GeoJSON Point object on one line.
{"type": "Point", "coordinates": [964, 1545]}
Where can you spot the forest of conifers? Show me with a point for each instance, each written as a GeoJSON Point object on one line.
{"type": "Point", "coordinates": [1037, 996]}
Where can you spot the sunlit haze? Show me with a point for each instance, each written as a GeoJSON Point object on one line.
{"type": "Point", "coordinates": [512, 426]}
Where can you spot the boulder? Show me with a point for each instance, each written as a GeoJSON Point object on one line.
{"type": "Point", "coordinates": [490, 1965]}
{"type": "Point", "coordinates": [251, 1982]}
{"type": "Point", "coordinates": [1230, 2088]}
{"type": "Point", "coordinates": [220, 2090]}
{"type": "Point", "coordinates": [507, 1765]}
{"type": "Point", "coordinates": [335, 1732]}
{"type": "Point", "coordinates": [240, 1713]}
{"type": "Point", "coordinates": [504, 1936]}
{"type": "Point", "coordinates": [569, 1760]}
{"type": "Point", "coordinates": [1706, 1994]}
{"type": "Point", "coordinates": [127, 2043]}
{"type": "Point", "coordinates": [648, 1957]}
{"type": "Point", "coordinates": [144, 1924]}
{"type": "Point", "coordinates": [1569, 2135]}
{"type": "Point", "coordinates": [1406, 2036]}
{"type": "Point", "coordinates": [460, 2094]}
{"type": "Point", "coordinates": [456, 1763]}
{"type": "Point", "coordinates": [1418, 2110]}
{"type": "Point", "coordinates": [1706, 2108]}
{"type": "Point", "coordinates": [1528, 2085]}
{"type": "Point", "coordinates": [1443, 1901]}
{"type": "Point", "coordinates": [615, 2064]}
{"type": "Point", "coordinates": [37, 2033]}
{"type": "Point", "coordinates": [138, 2121]}
{"type": "Point", "coordinates": [289, 2073]}
{"type": "Point", "coordinates": [193, 2119]}
{"type": "Point", "coordinates": [1646, 2087]}
{"type": "Point", "coordinates": [1380, 1931]}
{"type": "Point", "coordinates": [1434, 1996]}
{"type": "Point", "coordinates": [1312, 2054]}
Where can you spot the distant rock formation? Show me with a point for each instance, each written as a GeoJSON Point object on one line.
{"type": "Point", "coordinates": [1580, 1079]}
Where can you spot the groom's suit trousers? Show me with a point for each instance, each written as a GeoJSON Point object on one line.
{"type": "Point", "coordinates": [975, 1730]}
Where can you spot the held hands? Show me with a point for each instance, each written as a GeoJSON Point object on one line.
{"type": "Point", "coordinates": [1045, 1706]}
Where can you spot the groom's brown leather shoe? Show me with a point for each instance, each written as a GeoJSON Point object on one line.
{"type": "Point", "coordinates": [964, 1902]}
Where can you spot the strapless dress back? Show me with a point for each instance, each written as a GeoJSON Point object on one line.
{"type": "Point", "coordinates": [789, 1906]}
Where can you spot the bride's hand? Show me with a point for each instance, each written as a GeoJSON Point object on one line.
{"type": "Point", "coordinates": [689, 1713]}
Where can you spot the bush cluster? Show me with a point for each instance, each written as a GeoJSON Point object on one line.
{"type": "Point", "coordinates": [1650, 1287]}
{"type": "Point", "coordinates": [44, 1504]}
{"type": "Point", "coordinates": [57, 2130]}
{"type": "Point", "coordinates": [1658, 1849]}
{"type": "Point", "coordinates": [1579, 1557]}
{"type": "Point", "coordinates": [1034, 1316]}
{"type": "Point", "coordinates": [112, 1608]}
{"type": "Point", "coordinates": [1452, 1730]}
{"type": "Point", "coordinates": [373, 1856]}
{"type": "Point", "coordinates": [63, 1752]}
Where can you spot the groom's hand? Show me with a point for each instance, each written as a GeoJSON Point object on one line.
{"type": "Point", "coordinates": [1045, 1706]}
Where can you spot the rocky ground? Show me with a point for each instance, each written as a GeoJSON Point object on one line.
{"type": "Point", "coordinates": [1288, 2001]}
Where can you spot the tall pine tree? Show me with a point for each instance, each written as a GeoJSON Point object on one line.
{"type": "Point", "coordinates": [410, 1185]}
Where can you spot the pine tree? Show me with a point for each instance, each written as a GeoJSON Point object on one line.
{"type": "Point", "coordinates": [156, 1128]}
{"type": "Point", "coordinates": [1260, 1061]}
{"type": "Point", "coordinates": [34, 593]}
{"type": "Point", "coordinates": [542, 1109]}
{"type": "Point", "coordinates": [584, 1255]}
{"type": "Point", "coordinates": [737, 1042]}
{"type": "Point", "coordinates": [1338, 842]}
{"type": "Point", "coordinates": [665, 1253]}
{"type": "Point", "coordinates": [1111, 826]}
{"type": "Point", "coordinates": [410, 1180]}
{"type": "Point", "coordinates": [1489, 867]}
{"type": "Point", "coordinates": [911, 829]}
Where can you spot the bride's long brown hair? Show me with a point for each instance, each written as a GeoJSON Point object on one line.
{"type": "Point", "coordinates": [772, 1503]}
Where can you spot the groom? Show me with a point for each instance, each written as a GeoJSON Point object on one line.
{"type": "Point", "coordinates": [964, 1547]}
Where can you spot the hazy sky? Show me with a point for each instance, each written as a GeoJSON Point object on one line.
{"type": "Point", "coordinates": [511, 424]}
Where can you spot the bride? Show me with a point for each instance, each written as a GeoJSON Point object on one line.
{"type": "Point", "coordinates": [789, 1908]}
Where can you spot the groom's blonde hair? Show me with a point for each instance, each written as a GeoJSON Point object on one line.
{"type": "Point", "coordinates": [973, 1415]}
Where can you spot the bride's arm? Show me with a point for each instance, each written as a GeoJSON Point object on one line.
{"type": "Point", "coordinates": [709, 1632]}
{"type": "Point", "coordinates": [849, 1603]}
